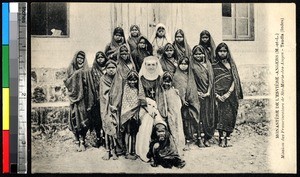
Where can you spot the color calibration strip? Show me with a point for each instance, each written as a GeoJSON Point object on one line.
{"type": "Point", "coordinates": [5, 90]}
{"type": "Point", "coordinates": [22, 89]}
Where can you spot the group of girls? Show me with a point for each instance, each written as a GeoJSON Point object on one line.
{"type": "Point", "coordinates": [137, 86]}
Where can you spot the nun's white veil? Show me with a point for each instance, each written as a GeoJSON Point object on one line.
{"type": "Point", "coordinates": [144, 72]}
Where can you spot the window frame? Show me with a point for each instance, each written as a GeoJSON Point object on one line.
{"type": "Point", "coordinates": [235, 36]}
{"type": "Point", "coordinates": [68, 26]}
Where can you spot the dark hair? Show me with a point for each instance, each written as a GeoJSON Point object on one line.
{"type": "Point", "coordinates": [179, 31]}
{"type": "Point", "coordinates": [205, 32]}
{"type": "Point", "coordinates": [110, 62]}
{"type": "Point", "coordinates": [218, 49]}
{"type": "Point", "coordinates": [100, 53]}
{"type": "Point", "coordinates": [169, 45]}
{"type": "Point", "coordinates": [119, 30]}
{"type": "Point", "coordinates": [181, 60]}
{"type": "Point", "coordinates": [167, 76]}
{"type": "Point", "coordinates": [132, 75]}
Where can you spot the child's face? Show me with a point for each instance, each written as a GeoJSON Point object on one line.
{"type": "Point", "coordinates": [167, 83]}
{"type": "Point", "coordinates": [179, 38]}
{"type": "Point", "coordinates": [80, 62]}
{"type": "Point", "coordinates": [161, 132]}
{"type": "Point", "coordinates": [205, 39]}
{"type": "Point", "coordinates": [223, 53]}
{"type": "Point", "coordinates": [118, 37]}
{"type": "Point", "coordinates": [183, 66]}
{"type": "Point", "coordinates": [169, 52]}
{"type": "Point", "coordinates": [133, 82]}
{"type": "Point", "coordinates": [111, 70]}
{"type": "Point", "coordinates": [124, 55]}
{"type": "Point", "coordinates": [134, 32]}
{"type": "Point", "coordinates": [161, 32]}
{"type": "Point", "coordinates": [199, 56]}
{"type": "Point", "coordinates": [142, 44]}
{"type": "Point", "coordinates": [100, 59]}
{"type": "Point", "coordinates": [151, 66]}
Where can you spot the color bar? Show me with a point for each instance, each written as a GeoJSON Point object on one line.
{"type": "Point", "coordinates": [5, 89]}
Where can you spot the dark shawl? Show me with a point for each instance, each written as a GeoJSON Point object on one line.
{"type": "Point", "coordinates": [104, 94]}
{"type": "Point", "coordinates": [97, 71]}
{"type": "Point", "coordinates": [167, 149]}
{"type": "Point", "coordinates": [112, 48]}
{"type": "Point", "coordinates": [210, 47]}
{"type": "Point", "coordinates": [183, 50]}
{"type": "Point", "coordinates": [138, 54]}
{"type": "Point", "coordinates": [80, 92]}
{"type": "Point", "coordinates": [133, 41]}
{"type": "Point", "coordinates": [166, 64]}
{"type": "Point", "coordinates": [204, 78]}
{"type": "Point", "coordinates": [185, 83]}
{"type": "Point", "coordinates": [233, 72]}
{"type": "Point", "coordinates": [118, 84]}
{"type": "Point", "coordinates": [227, 110]}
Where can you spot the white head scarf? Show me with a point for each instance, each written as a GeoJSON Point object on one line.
{"type": "Point", "coordinates": [154, 32]}
{"type": "Point", "coordinates": [151, 76]}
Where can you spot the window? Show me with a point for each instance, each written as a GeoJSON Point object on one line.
{"type": "Point", "coordinates": [238, 21]}
{"type": "Point", "coordinates": [49, 19]}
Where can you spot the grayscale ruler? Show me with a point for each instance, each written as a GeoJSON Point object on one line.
{"type": "Point", "coordinates": [22, 89]}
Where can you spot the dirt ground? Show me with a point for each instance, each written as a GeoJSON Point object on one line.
{"type": "Point", "coordinates": [248, 154]}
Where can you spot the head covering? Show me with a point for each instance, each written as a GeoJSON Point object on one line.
{"type": "Point", "coordinates": [74, 66]}
{"type": "Point", "coordinates": [119, 30]}
{"type": "Point", "coordinates": [149, 48]}
{"type": "Point", "coordinates": [154, 35]}
{"type": "Point", "coordinates": [110, 62]}
{"type": "Point", "coordinates": [183, 49]}
{"type": "Point", "coordinates": [168, 65]}
{"type": "Point", "coordinates": [210, 46]}
{"type": "Point", "coordinates": [236, 78]}
{"type": "Point", "coordinates": [97, 71]}
{"type": "Point", "coordinates": [98, 55]}
{"type": "Point", "coordinates": [168, 46]}
{"type": "Point", "coordinates": [113, 46]}
{"type": "Point", "coordinates": [122, 64]}
{"type": "Point", "coordinates": [133, 74]}
{"type": "Point", "coordinates": [167, 76]}
{"type": "Point", "coordinates": [202, 50]}
{"type": "Point", "coordinates": [133, 41]}
{"type": "Point", "coordinates": [139, 54]}
{"type": "Point", "coordinates": [146, 74]}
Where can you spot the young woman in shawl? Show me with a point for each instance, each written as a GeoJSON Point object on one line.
{"type": "Point", "coordinates": [80, 92]}
{"type": "Point", "coordinates": [159, 39]}
{"type": "Point", "coordinates": [181, 46]}
{"type": "Point", "coordinates": [144, 49]}
{"type": "Point", "coordinates": [173, 107]}
{"type": "Point", "coordinates": [118, 39]}
{"type": "Point", "coordinates": [208, 43]}
{"type": "Point", "coordinates": [129, 118]}
{"type": "Point", "coordinates": [109, 122]}
{"type": "Point", "coordinates": [169, 58]}
{"type": "Point", "coordinates": [184, 81]}
{"type": "Point", "coordinates": [97, 70]}
{"type": "Point", "coordinates": [133, 37]}
{"type": "Point", "coordinates": [151, 103]}
{"type": "Point", "coordinates": [204, 77]}
{"type": "Point", "coordinates": [228, 91]}
{"type": "Point", "coordinates": [124, 66]}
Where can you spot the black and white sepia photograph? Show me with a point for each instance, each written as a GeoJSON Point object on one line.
{"type": "Point", "coordinates": [163, 87]}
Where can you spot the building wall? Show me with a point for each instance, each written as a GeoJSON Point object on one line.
{"type": "Point", "coordinates": [90, 31]}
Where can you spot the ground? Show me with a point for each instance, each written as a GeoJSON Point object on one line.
{"type": "Point", "coordinates": [56, 154]}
